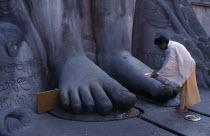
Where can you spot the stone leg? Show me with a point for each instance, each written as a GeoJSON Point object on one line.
{"type": "Point", "coordinates": [113, 25]}
{"type": "Point", "coordinates": [84, 86]}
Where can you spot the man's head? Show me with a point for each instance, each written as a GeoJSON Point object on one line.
{"type": "Point", "coordinates": [162, 42]}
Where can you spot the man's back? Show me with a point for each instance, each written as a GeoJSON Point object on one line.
{"type": "Point", "coordinates": [184, 59]}
{"type": "Point", "coordinates": [181, 50]}
{"type": "Point", "coordinates": [179, 64]}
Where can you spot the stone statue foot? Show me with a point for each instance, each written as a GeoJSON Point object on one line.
{"type": "Point", "coordinates": [86, 88]}
{"type": "Point", "coordinates": [130, 72]}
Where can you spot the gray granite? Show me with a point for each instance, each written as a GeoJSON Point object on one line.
{"type": "Point", "coordinates": [42, 48]}
{"type": "Point", "coordinates": [204, 106]}
{"type": "Point", "coordinates": [51, 126]}
{"type": "Point", "coordinates": [166, 117]}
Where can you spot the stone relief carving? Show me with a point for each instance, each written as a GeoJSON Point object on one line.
{"type": "Point", "coordinates": [84, 48]}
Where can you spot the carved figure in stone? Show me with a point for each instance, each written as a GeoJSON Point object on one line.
{"type": "Point", "coordinates": [22, 67]}
{"type": "Point", "coordinates": [65, 35]}
{"type": "Point", "coordinates": [176, 20]}
{"type": "Point", "coordinates": [113, 26]}
{"type": "Point", "coordinates": [84, 86]}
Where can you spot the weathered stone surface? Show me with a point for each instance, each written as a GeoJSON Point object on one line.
{"type": "Point", "coordinates": [203, 107]}
{"type": "Point", "coordinates": [203, 15]}
{"type": "Point", "coordinates": [177, 21]}
{"type": "Point", "coordinates": [168, 118]}
{"type": "Point", "coordinates": [47, 44]}
{"type": "Point", "coordinates": [51, 126]}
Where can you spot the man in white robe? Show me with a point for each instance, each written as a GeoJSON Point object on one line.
{"type": "Point", "coordinates": [179, 67]}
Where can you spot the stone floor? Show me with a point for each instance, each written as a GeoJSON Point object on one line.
{"type": "Point", "coordinates": [155, 121]}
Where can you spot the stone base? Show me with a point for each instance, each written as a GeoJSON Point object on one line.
{"type": "Point", "coordinates": [94, 117]}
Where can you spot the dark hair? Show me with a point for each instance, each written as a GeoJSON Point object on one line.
{"type": "Point", "coordinates": [161, 40]}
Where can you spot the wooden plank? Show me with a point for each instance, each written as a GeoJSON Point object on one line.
{"type": "Point", "coordinates": [48, 100]}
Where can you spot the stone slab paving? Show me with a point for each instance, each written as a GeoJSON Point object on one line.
{"type": "Point", "coordinates": [204, 106]}
{"type": "Point", "coordinates": [166, 117]}
{"type": "Point", "coordinates": [51, 126]}
{"type": "Point", "coordinates": [156, 121]}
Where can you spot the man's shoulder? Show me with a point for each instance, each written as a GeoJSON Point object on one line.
{"type": "Point", "coordinates": [175, 44]}
{"type": "Point", "coordinates": [178, 47]}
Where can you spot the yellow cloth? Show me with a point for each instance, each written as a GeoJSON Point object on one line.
{"type": "Point", "coordinates": [189, 94]}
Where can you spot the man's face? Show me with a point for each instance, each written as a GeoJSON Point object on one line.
{"type": "Point", "coordinates": [163, 46]}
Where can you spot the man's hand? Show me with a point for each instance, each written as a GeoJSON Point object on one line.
{"type": "Point", "coordinates": [154, 74]}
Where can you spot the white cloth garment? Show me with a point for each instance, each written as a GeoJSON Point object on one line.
{"type": "Point", "coordinates": [178, 65]}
